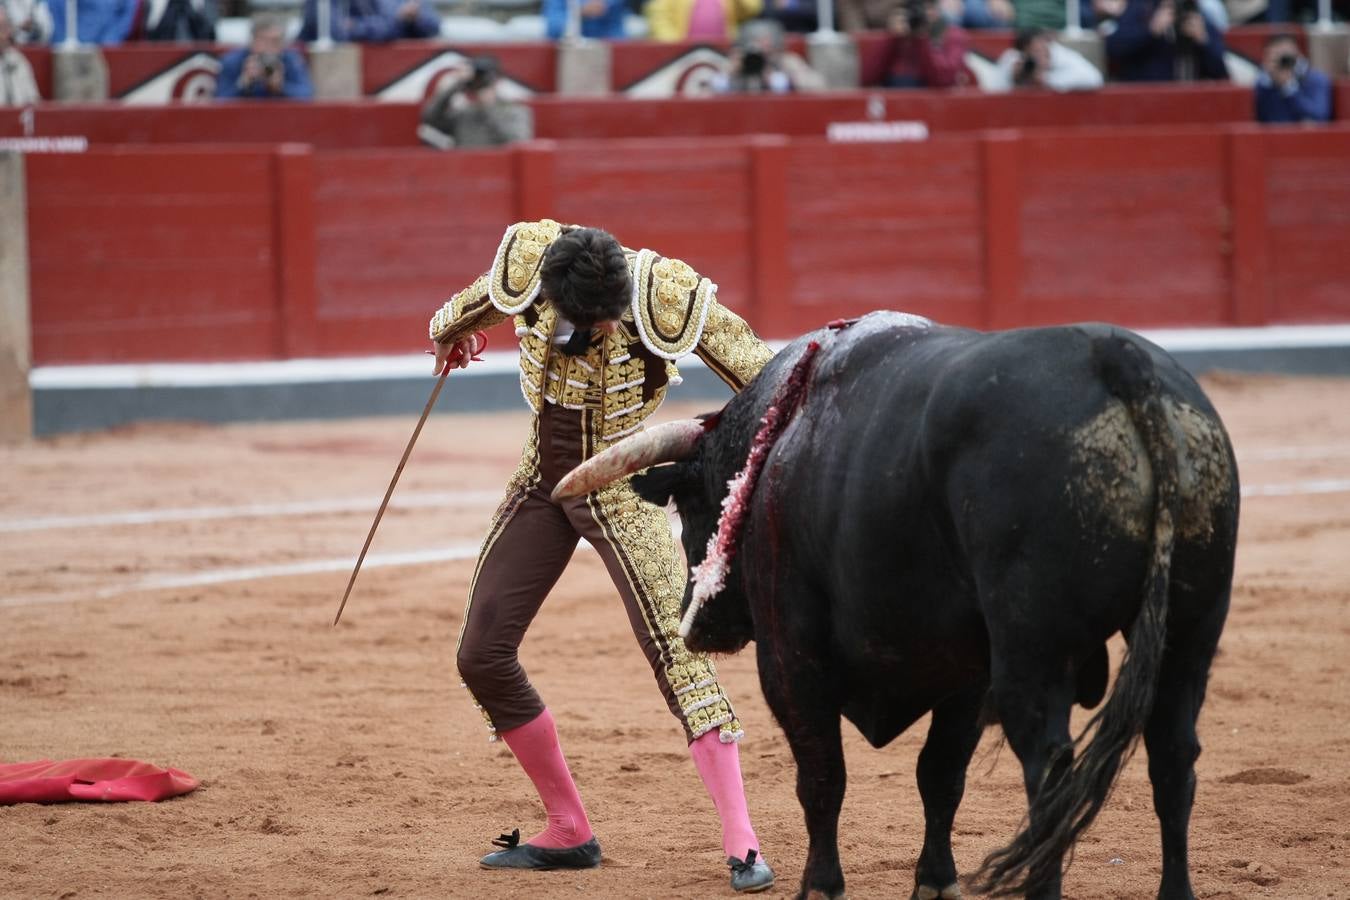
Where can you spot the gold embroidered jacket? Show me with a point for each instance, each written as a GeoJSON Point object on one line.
{"type": "Point", "coordinates": [625, 375]}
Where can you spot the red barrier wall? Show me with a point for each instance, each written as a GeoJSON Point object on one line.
{"type": "Point", "coordinates": [358, 124]}
{"type": "Point", "coordinates": [153, 254]}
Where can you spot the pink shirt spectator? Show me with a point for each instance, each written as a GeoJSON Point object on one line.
{"type": "Point", "coordinates": [708, 21]}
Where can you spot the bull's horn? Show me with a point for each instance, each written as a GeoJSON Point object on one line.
{"type": "Point", "coordinates": [665, 443]}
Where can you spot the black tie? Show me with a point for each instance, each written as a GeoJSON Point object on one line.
{"type": "Point", "coordinates": [578, 343]}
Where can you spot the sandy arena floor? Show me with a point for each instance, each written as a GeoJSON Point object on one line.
{"type": "Point", "coordinates": [347, 762]}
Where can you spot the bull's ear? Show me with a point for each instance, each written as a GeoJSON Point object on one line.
{"type": "Point", "coordinates": [657, 485]}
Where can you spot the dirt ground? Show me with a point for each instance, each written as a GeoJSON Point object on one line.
{"type": "Point", "coordinates": [348, 762]}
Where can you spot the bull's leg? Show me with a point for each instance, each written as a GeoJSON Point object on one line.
{"type": "Point", "coordinates": [1033, 703]}
{"type": "Point", "coordinates": [1173, 747]}
{"type": "Point", "coordinates": [808, 710]}
{"type": "Point", "coordinates": [952, 738]}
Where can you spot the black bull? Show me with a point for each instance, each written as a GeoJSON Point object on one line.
{"type": "Point", "coordinates": [956, 522]}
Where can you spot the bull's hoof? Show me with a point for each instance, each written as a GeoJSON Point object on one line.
{"type": "Point", "coordinates": [928, 892]}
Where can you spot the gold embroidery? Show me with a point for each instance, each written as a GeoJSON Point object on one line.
{"type": "Point", "coordinates": [464, 313]}
{"type": "Point", "coordinates": [731, 349]}
{"type": "Point", "coordinates": [513, 283]}
{"type": "Point", "coordinates": [641, 533]}
{"type": "Point", "coordinates": [670, 304]}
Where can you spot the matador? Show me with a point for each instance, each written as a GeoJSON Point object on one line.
{"type": "Point", "coordinates": [602, 329]}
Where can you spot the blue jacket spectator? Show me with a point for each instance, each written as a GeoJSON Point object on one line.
{"type": "Point", "coordinates": [1290, 90]}
{"type": "Point", "coordinates": [98, 21]}
{"type": "Point", "coordinates": [266, 69]}
{"type": "Point", "coordinates": [1165, 40]}
{"type": "Point", "coordinates": [372, 21]}
{"type": "Point", "coordinates": [599, 18]}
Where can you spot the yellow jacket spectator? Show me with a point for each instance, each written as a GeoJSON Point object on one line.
{"type": "Point", "coordinates": [699, 20]}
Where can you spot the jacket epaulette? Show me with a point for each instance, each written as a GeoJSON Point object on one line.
{"type": "Point", "coordinates": [670, 304]}
{"type": "Point", "coordinates": [513, 282]}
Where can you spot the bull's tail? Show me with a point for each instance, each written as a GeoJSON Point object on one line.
{"type": "Point", "coordinates": [1069, 800]}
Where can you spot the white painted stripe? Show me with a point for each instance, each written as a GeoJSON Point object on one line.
{"type": "Point", "coordinates": [1285, 453]}
{"type": "Point", "coordinates": [169, 581]}
{"type": "Point", "coordinates": [252, 511]}
{"type": "Point", "coordinates": [1333, 486]}
{"type": "Point", "coordinates": [368, 368]}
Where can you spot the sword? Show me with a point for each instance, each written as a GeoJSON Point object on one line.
{"type": "Point", "coordinates": [480, 343]}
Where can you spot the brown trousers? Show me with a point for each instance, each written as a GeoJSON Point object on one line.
{"type": "Point", "coordinates": [525, 551]}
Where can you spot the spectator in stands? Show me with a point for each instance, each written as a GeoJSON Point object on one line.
{"type": "Point", "coordinates": [1037, 60]}
{"type": "Point", "coordinates": [105, 22]}
{"type": "Point", "coordinates": [17, 86]}
{"type": "Point", "coordinates": [266, 69]}
{"type": "Point", "coordinates": [926, 51]}
{"type": "Point", "coordinates": [1289, 89]}
{"type": "Point", "coordinates": [30, 19]}
{"type": "Point", "coordinates": [978, 14]}
{"type": "Point", "coordinates": [372, 21]}
{"type": "Point", "coordinates": [468, 112]}
{"type": "Point", "coordinates": [600, 19]}
{"type": "Point", "coordinates": [1049, 14]}
{"type": "Point", "coordinates": [1165, 40]}
{"type": "Point", "coordinates": [178, 20]}
{"type": "Point", "coordinates": [760, 63]}
{"type": "Point", "coordinates": [799, 16]}
{"type": "Point", "coordinates": [699, 20]}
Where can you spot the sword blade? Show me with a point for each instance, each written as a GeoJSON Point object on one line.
{"type": "Point", "coordinates": [407, 451]}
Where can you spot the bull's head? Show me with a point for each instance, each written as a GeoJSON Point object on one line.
{"type": "Point", "coordinates": [723, 625]}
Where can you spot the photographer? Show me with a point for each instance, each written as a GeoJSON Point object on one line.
{"type": "Point", "coordinates": [1289, 89]}
{"type": "Point", "coordinates": [17, 87]}
{"type": "Point", "coordinates": [926, 51]}
{"type": "Point", "coordinates": [265, 69]}
{"type": "Point", "coordinates": [1165, 40]}
{"type": "Point", "coordinates": [467, 112]}
{"type": "Point", "coordinates": [758, 63]}
{"type": "Point", "coordinates": [1037, 60]}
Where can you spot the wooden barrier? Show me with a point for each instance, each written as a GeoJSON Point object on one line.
{"type": "Point", "coordinates": [359, 124]}
{"type": "Point", "coordinates": [269, 252]}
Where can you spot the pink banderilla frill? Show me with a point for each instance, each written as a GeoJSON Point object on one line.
{"type": "Point", "coordinates": [710, 576]}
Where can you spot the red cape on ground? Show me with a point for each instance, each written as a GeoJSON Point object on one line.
{"type": "Point", "coordinates": [46, 781]}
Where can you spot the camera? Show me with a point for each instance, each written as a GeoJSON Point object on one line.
{"type": "Point", "coordinates": [269, 63]}
{"type": "Point", "coordinates": [1288, 60]}
{"type": "Point", "coordinates": [916, 14]}
{"type": "Point", "coordinates": [753, 63]}
{"type": "Point", "coordinates": [484, 74]}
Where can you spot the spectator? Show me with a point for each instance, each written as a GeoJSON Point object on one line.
{"type": "Point", "coordinates": [468, 112]}
{"type": "Point", "coordinates": [1165, 40]}
{"type": "Point", "coordinates": [926, 50]}
{"type": "Point", "coordinates": [864, 15]}
{"type": "Point", "coordinates": [266, 69]}
{"type": "Point", "coordinates": [1049, 14]}
{"type": "Point", "coordinates": [599, 18]}
{"type": "Point", "coordinates": [978, 14]}
{"type": "Point", "coordinates": [178, 20]}
{"type": "Point", "coordinates": [1037, 60]}
{"type": "Point", "coordinates": [1289, 89]}
{"type": "Point", "coordinates": [699, 20]}
{"type": "Point", "coordinates": [17, 87]}
{"type": "Point", "coordinates": [105, 22]}
{"type": "Point", "coordinates": [30, 19]}
{"type": "Point", "coordinates": [759, 63]}
{"type": "Point", "coordinates": [798, 16]}
{"type": "Point", "coordinates": [372, 21]}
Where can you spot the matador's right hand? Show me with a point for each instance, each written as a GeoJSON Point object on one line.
{"type": "Point", "coordinates": [458, 354]}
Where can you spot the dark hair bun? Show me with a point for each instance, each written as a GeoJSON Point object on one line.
{"type": "Point", "coordinates": [585, 275]}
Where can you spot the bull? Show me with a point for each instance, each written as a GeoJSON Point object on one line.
{"type": "Point", "coordinates": [956, 522]}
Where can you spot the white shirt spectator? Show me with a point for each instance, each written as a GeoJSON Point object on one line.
{"type": "Point", "coordinates": [31, 19]}
{"type": "Point", "coordinates": [1067, 70]}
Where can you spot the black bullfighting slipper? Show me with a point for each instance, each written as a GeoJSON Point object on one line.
{"type": "Point", "coordinates": [750, 875]}
{"type": "Point", "coordinates": [515, 855]}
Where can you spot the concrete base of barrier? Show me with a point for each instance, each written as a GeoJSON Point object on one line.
{"type": "Point", "coordinates": [336, 72]}
{"type": "Point", "coordinates": [835, 57]}
{"type": "Point", "coordinates": [79, 75]}
{"type": "Point", "coordinates": [81, 398]}
{"type": "Point", "coordinates": [584, 68]}
{"type": "Point", "coordinates": [1329, 49]}
{"type": "Point", "coordinates": [16, 409]}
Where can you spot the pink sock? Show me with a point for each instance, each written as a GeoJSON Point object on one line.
{"type": "Point", "coordinates": [535, 745]}
{"type": "Point", "coordinates": [719, 765]}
